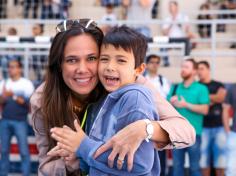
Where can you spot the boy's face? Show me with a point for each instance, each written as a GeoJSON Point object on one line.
{"type": "Point", "coordinates": [116, 67]}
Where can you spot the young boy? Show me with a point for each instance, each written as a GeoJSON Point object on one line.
{"type": "Point", "coordinates": [121, 61]}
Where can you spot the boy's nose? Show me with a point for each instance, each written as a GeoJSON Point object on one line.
{"type": "Point", "coordinates": [110, 66]}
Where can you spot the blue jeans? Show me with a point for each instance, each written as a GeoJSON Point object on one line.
{"type": "Point", "coordinates": [231, 154]}
{"type": "Point", "coordinates": [213, 148]}
{"type": "Point", "coordinates": [8, 128]}
{"type": "Point", "coordinates": [194, 158]}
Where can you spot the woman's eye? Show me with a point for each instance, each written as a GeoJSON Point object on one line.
{"type": "Point", "coordinates": [92, 58]}
{"type": "Point", "coordinates": [71, 60]}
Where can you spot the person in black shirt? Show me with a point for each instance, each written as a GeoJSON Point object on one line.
{"type": "Point", "coordinates": [213, 135]}
{"type": "Point", "coordinates": [230, 106]}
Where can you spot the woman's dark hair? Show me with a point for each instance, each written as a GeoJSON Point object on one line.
{"type": "Point", "coordinates": [56, 103]}
{"type": "Point", "coordinates": [129, 40]}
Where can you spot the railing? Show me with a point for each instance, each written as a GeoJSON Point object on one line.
{"type": "Point", "coordinates": [213, 40]}
{"type": "Point", "coordinates": [26, 49]}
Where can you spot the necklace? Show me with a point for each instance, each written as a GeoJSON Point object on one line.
{"type": "Point", "coordinates": [77, 109]}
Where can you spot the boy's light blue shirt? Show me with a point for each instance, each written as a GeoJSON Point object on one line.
{"type": "Point", "coordinates": [120, 108]}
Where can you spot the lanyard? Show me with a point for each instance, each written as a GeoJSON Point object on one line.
{"type": "Point", "coordinates": [84, 117]}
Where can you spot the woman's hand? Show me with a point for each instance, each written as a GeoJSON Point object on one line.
{"type": "Point", "coordinates": [125, 142]}
{"type": "Point", "coordinates": [67, 138]}
{"type": "Point", "coordinates": [58, 152]}
{"type": "Point", "coordinates": [71, 162]}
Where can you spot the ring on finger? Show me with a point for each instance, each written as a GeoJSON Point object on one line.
{"type": "Point", "coordinates": [121, 160]}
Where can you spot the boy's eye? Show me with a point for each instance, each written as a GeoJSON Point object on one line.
{"type": "Point", "coordinates": [92, 58]}
{"type": "Point", "coordinates": [121, 60]}
{"type": "Point", "coordinates": [103, 59]}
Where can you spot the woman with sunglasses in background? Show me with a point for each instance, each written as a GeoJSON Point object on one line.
{"type": "Point", "coordinates": [72, 84]}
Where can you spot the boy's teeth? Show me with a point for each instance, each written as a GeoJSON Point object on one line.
{"type": "Point", "coordinates": [112, 78]}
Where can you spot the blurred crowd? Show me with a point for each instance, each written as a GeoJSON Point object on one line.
{"type": "Point", "coordinates": [205, 102]}
{"type": "Point", "coordinates": [208, 104]}
{"type": "Point", "coordinates": [44, 9]}
{"type": "Point", "coordinates": [60, 9]}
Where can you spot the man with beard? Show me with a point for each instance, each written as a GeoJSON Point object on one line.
{"type": "Point", "coordinates": [191, 100]}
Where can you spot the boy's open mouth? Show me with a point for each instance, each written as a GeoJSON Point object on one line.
{"type": "Point", "coordinates": [111, 80]}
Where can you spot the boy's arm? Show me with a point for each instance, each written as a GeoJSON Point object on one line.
{"type": "Point", "coordinates": [143, 159]}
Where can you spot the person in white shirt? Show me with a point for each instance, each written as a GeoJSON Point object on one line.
{"type": "Point", "coordinates": [15, 93]}
{"type": "Point", "coordinates": [176, 25]}
{"type": "Point", "coordinates": [140, 10]}
{"type": "Point", "coordinates": [163, 86]}
{"type": "Point", "coordinates": [109, 16]}
{"type": "Point", "coordinates": [159, 81]}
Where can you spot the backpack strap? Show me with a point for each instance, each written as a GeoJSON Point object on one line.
{"type": "Point", "coordinates": [174, 89]}
{"type": "Point", "coordinates": [161, 80]}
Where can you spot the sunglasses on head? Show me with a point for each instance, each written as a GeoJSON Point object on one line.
{"type": "Point", "coordinates": [69, 24]}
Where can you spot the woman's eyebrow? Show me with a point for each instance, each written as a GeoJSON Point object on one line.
{"type": "Point", "coordinates": [71, 56]}
{"type": "Point", "coordinates": [92, 54]}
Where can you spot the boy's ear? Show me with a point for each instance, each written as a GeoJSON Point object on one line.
{"type": "Point", "coordinates": [140, 70]}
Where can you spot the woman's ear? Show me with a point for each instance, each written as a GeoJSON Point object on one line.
{"type": "Point", "coordinates": [140, 69]}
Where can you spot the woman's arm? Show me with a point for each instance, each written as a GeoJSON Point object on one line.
{"type": "Point", "coordinates": [180, 132]}
{"type": "Point", "coordinates": [48, 165]}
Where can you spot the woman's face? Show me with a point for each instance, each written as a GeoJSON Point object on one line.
{"type": "Point", "coordinates": [79, 65]}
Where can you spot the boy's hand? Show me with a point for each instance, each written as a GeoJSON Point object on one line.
{"type": "Point", "coordinates": [67, 138]}
{"type": "Point", "coordinates": [71, 162]}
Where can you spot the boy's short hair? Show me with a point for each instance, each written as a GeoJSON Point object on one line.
{"type": "Point", "coordinates": [205, 63]}
{"type": "Point", "coordinates": [129, 40]}
{"type": "Point", "coordinates": [149, 57]}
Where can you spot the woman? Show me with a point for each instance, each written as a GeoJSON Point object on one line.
{"type": "Point", "coordinates": [72, 83]}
